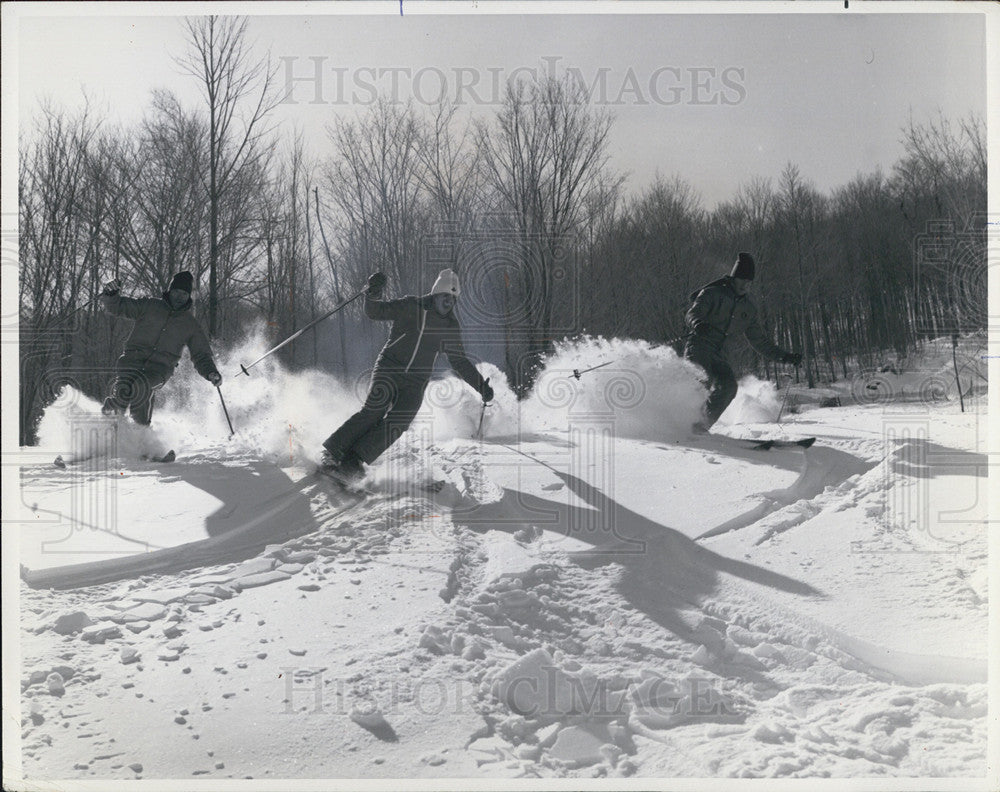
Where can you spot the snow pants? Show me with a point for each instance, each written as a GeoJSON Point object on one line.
{"type": "Point", "coordinates": [393, 401]}
{"type": "Point", "coordinates": [721, 380]}
{"type": "Point", "coordinates": [134, 388]}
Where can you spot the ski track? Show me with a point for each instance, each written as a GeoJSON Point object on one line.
{"type": "Point", "coordinates": [563, 676]}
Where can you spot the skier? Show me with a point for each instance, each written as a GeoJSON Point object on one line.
{"type": "Point", "coordinates": [163, 327]}
{"type": "Point", "coordinates": [421, 327]}
{"type": "Point", "coordinates": [719, 310]}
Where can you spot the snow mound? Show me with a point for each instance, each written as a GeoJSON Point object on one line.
{"type": "Point", "coordinates": [277, 413]}
{"type": "Point", "coordinates": [757, 401]}
{"type": "Point", "coordinates": [644, 392]}
{"type": "Point", "coordinates": [649, 392]}
{"type": "Point", "coordinates": [457, 632]}
{"type": "Point", "coordinates": [74, 426]}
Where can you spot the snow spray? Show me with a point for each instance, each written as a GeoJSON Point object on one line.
{"type": "Point", "coordinates": [281, 415]}
{"type": "Point", "coordinates": [647, 392]}
{"type": "Point", "coordinates": [757, 401]}
{"type": "Point", "coordinates": [74, 427]}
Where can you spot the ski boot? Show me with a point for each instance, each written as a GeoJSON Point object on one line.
{"type": "Point", "coordinates": [352, 467]}
{"type": "Point", "coordinates": [346, 472]}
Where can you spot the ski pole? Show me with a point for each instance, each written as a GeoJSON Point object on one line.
{"type": "Point", "coordinates": [297, 333]}
{"type": "Point", "coordinates": [228, 421]}
{"type": "Point", "coordinates": [788, 387]}
{"type": "Point", "coordinates": [954, 361]}
{"type": "Point", "coordinates": [482, 414]}
{"type": "Point", "coordinates": [479, 429]}
{"type": "Point", "coordinates": [577, 372]}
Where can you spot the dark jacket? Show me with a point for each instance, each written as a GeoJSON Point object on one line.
{"type": "Point", "coordinates": [717, 313]}
{"type": "Point", "coordinates": [417, 334]}
{"type": "Point", "coordinates": [160, 334]}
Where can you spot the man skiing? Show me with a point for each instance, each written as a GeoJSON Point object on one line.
{"type": "Point", "coordinates": [163, 327]}
{"type": "Point", "coordinates": [421, 327]}
{"type": "Point", "coordinates": [719, 310]}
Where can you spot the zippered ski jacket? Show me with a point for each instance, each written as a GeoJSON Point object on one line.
{"type": "Point", "coordinates": [160, 334]}
{"type": "Point", "coordinates": [717, 313]}
{"type": "Point", "coordinates": [417, 334]}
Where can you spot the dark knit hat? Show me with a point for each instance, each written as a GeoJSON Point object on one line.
{"type": "Point", "coordinates": [744, 267]}
{"type": "Point", "coordinates": [183, 281]}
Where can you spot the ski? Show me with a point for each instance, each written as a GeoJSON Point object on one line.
{"type": "Point", "coordinates": [354, 488]}
{"type": "Point", "coordinates": [760, 443]}
{"type": "Point", "coordinates": [342, 483]}
{"type": "Point", "coordinates": [170, 456]}
{"type": "Point", "coordinates": [766, 445]}
{"type": "Point", "coordinates": [62, 462]}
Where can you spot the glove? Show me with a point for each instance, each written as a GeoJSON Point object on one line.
{"type": "Point", "coordinates": [486, 391]}
{"type": "Point", "coordinates": [795, 358]}
{"type": "Point", "coordinates": [215, 378]}
{"type": "Point", "coordinates": [376, 283]}
{"type": "Point", "coordinates": [111, 288]}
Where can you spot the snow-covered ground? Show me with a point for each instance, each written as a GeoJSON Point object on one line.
{"type": "Point", "coordinates": [591, 593]}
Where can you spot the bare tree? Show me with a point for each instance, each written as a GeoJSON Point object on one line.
{"type": "Point", "coordinates": [946, 162]}
{"type": "Point", "coordinates": [543, 155]}
{"type": "Point", "coordinates": [159, 227]}
{"type": "Point", "coordinates": [58, 256]}
{"type": "Point", "coordinates": [238, 90]}
{"type": "Point", "coordinates": [657, 241]}
{"type": "Point", "coordinates": [288, 289]}
{"type": "Point", "coordinates": [941, 187]}
{"type": "Point", "coordinates": [800, 212]}
{"type": "Point", "coordinates": [451, 168]}
{"type": "Point", "coordinates": [375, 182]}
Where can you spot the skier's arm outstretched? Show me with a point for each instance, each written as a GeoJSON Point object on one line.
{"type": "Point", "coordinates": [452, 347]}
{"type": "Point", "coordinates": [763, 344]}
{"type": "Point", "coordinates": [116, 305]}
{"type": "Point", "coordinates": [376, 308]}
{"type": "Point", "coordinates": [201, 356]}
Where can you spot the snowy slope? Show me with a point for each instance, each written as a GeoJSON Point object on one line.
{"type": "Point", "coordinates": [591, 593]}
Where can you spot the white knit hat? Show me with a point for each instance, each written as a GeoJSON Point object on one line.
{"type": "Point", "coordinates": [446, 283]}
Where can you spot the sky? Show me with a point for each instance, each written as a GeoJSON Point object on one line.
{"type": "Point", "coordinates": [714, 98]}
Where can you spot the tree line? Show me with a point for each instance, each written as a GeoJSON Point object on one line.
{"type": "Point", "coordinates": [523, 204]}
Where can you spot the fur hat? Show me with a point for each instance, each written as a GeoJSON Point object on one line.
{"type": "Point", "coordinates": [183, 281]}
{"type": "Point", "coordinates": [446, 283]}
{"type": "Point", "coordinates": [744, 267]}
